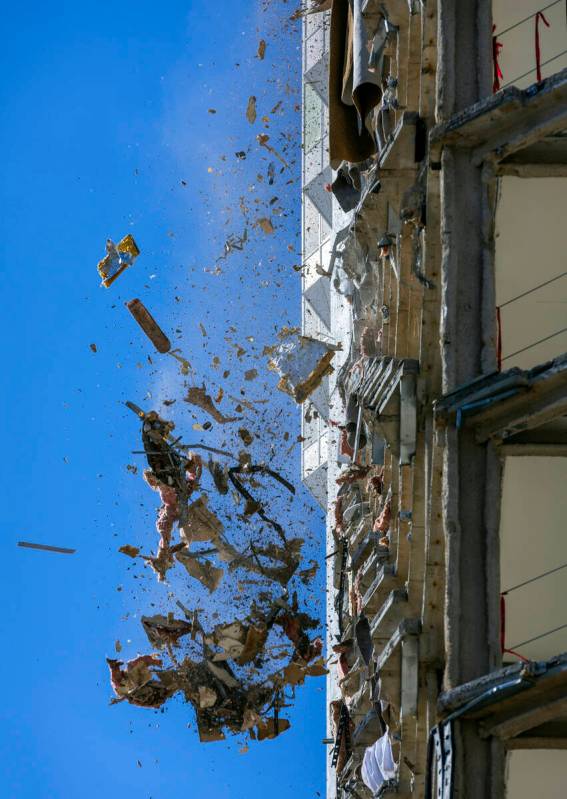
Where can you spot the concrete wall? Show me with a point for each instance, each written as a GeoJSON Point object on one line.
{"type": "Point", "coordinates": [537, 773]}
{"type": "Point", "coordinates": [530, 249]}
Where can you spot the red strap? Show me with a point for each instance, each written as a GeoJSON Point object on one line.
{"type": "Point", "coordinates": [497, 72]}
{"type": "Point", "coordinates": [538, 16]}
{"type": "Point", "coordinates": [502, 624]}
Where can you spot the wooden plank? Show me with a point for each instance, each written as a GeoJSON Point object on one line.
{"type": "Point", "coordinates": [491, 119]}
{"type": "Point", "coordinates": [536, 126]}
{"type": "Point", "coordinates": [428, 70]}
{"type": "Point", "coordinates": [46, 548]}
{"type": "Point", "coordinates": [414, 34]}
{"type": "Point", "coordinates": [404, 259]}
{"type": "Point", "coordinates": [531, 170]}
{"type": "Point", "coordinates": [403, 523]}
{"type": "Point", "coordinates": [387, 619]}
{"type": "Point", "coordinates": [416, 571]}
{"type": "Point", "coordinates": [392, 648]}
{"type": "Point", "coordinates": [384, 582]}
{"type": "Point", "coordinates": [527, 720]}
{"type": "Point", "coordinates": [536, 743]}
{"type": "Point", "coordinates": [410, 667]}
{"type": "Point", "coordinates": [554, 678]}
{"type": "Point", "coordinates": [534, 450]}
{"type": "Point", "coordinates": [397, 10]}
{"type": "Point", "coordinates": [517, 414]}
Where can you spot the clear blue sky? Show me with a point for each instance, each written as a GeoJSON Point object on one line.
{"type": "Point", "coordinates": [104, 113]}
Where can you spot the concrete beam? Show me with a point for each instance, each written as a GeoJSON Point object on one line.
{"type": "Point", "coordinates": [509, 121]}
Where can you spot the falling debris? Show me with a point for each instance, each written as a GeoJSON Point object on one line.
{"type": "Point", "coordinates": [46, 548]}
{"type": "Point", "coordinates": [129, 550]}
{"type": "Point", "coordinates": [201, 569]}
{"type": "Point", "coordinates": [251, 110]}
{"type": "Point", "coordinates": [199, 397]}
{"type": "Point", "coordinates": [117, 259]}
{"type": "Point", "coordinates": [221, 697]}
{"type": "Point", "coordinates": [149, 325]}
{"type": "Point", "coordinates": [234, 242]}
{"type": "Point", "coordinates": [263, 139]}
{"type": "Point", "coordinates": [163, 631]}
{"type": "Point", "coordinates": [266, 225]}
{"type": "Point", "coordinates": [231, 538]}
{"type": "Point", "coordinates": [246, 436]}
{"type": "Point", "coordinates": [229, 673]}
{"type": "Point", "coordinates": [302, 364]}
{"type": "Point", "coordinates": [185, 368]}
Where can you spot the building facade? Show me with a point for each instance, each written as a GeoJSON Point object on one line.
{"type": "Point", "coordinates": [434, 192]}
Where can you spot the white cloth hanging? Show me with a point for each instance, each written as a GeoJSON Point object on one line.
{"type": "Point", "coordinates": [378, 763]}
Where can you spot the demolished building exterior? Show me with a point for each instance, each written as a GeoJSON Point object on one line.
{"type": "Point", "coordinates": [425, 160]}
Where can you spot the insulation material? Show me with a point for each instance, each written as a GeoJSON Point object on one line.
{"type": "Point", "coordinates": [302, 364]}
{"type": "Point", "coordinates": [117, 259]}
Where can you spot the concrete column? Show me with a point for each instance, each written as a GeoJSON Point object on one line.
{"type": "Point", "coordinates": [472, 473]}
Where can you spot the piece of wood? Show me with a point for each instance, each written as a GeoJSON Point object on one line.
{"type": "Point", "coordinates": [536, 743]}
{"type": "Point", "coordinates": [46, 548]}
{"type": "Point", "coordinates": [534, 450]}
{"type": "Point", "coordinates": [410, 668]}
{"type": "Point", "coordinates": [384, 582]}
{"type": "Point", "coordinates": [506, 121]}
{"type": "Point", "coordinates": [532, 409]}
{"type": "Point", "coordinates": [386, 621]}
{"type": "Point", "coordinates": [533, 717]}
{"type": "Point", "coordinates": [553, 678]}
{"type": "Point", "coordinates": [149, 325]}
